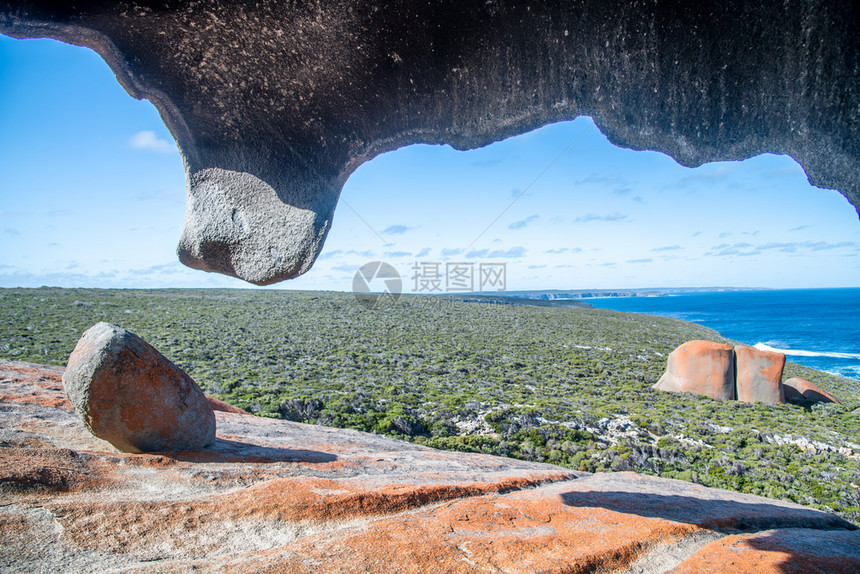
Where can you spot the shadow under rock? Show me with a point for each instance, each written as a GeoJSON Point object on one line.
{"type": "Point", "coordinates": [722, 515]}
{"type": "Point", "coordinates": [224, 450]}
{"type": "Point", "coordinates": [806, 540]}
{"type": "Point", "coordinates": [801, 551]}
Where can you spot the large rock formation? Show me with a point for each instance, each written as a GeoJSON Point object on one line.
{"type": "Point", "coordinates": [277, 496]}
{"type": "Point", "coordinates": [756, 375]}
{"type": "Point", "coordinates": [274, 104]}
{"type": "Point", "coordinates": [130, 395]}
{"type": "Point", "coordinates": [701, 367]}
{"type": "Point", "coordinates": [759, 375]}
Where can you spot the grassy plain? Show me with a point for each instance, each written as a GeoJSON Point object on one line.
{"type": "Point", "coordinates": [561, 385]}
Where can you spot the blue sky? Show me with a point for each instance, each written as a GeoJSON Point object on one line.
{"type": "Point", "coordinates": [92, 194]}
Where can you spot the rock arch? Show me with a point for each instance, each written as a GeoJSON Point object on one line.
{"type": "Point", "coordinates": [274, 103]}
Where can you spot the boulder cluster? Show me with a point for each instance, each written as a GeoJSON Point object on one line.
{"type": "Point", "coordinates": [742, 373]}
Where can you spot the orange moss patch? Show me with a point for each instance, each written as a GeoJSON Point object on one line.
{"type": "Point", "coordinates": [491, 533]}
{"type": "Point", "coordinates": [41, 469]}
{"type": "Point", "coordinates": [271, 507]}
{"type": "Point", "coordinates": [13, 526]}
{"type": "Point", "coordinates": [28, 384]}
{"type": "Point", "coordinates": [36, 397]}
{"type": "Point", "coordinates": [320, 499]}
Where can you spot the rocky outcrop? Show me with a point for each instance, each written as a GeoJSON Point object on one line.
{"type": "Point", "coordinates": [801, 390]}
{"type": "Point", "coordinates": [277, 496]}
{"type": "Point", "coordinates": [701, 367]}
{"type": "Point", "coordinates": [756, 376]}
{"type": "Point", "coordinates": [696, 367]}
{"type": "Point", "coordinates": [759, 375]}
{"type": "Point", "coordinates": [274, 104]}
{"type": "Point", "coordinates": [130, 395]}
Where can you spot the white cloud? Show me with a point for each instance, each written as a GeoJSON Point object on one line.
{"type": "Point", "coordinates": [512, 253]}
{"type": "Point", "coordinates": [147, 140]}
{"type": "Point", "coordinates": [595, 217]}
{"type": "Point", "coordinates": [330, 254]}
{"type": "Point", "coordinates": [397, 229]}
{"type": "Point", "coordinates": [524, 222]}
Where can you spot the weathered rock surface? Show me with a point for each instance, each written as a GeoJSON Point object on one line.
{"type": "Point", "coordinates": [706, 368]}
{"type": "Point", "coordinates": [130, 395]}
{"type": "Point", "coordinates": [759, 375]}
{"type": "Point", "coordinates": [790, 550]}
{"type": "Point", "coordinates": [274, 104]}
{"type": "Point", "coordinates": [701, 367]}
{"type": "Point", "coordinates": [800, 390]}
{"type": "Point", "coordinates": [277, 496]}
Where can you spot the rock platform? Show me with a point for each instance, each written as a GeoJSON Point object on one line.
{"type": "Point", "coordinates": [277, 496]}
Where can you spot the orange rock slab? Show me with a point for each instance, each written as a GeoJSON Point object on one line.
{"type": "Point", "coordinates": [277, 496]}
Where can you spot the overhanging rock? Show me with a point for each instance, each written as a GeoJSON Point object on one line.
{"type": "Point", "coordinates": [275, 102]}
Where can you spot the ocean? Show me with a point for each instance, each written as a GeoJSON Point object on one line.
{"type": "Point", "coordinates": [819, 328]}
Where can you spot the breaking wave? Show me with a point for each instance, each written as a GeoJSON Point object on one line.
{"type": "Point", "coordinates": [800, 353]}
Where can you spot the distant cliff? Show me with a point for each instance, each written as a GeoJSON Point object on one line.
{"type": "Point", "coordinates": [562, 294]}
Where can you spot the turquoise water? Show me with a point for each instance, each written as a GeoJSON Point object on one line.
{"type": "Point", "coordinates": [819, 328]}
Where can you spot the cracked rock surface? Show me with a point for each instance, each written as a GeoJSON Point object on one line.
{"type": "Point", "coordinates": [273, 104]}
{"type": "Point", "coordinates": [277, 496]}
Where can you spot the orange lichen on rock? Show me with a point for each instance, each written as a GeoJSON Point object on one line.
{"type": "Point", "coordinates": [336, 500]}
{"type": "Point", "coordinates": [23, 470]}
{"type": "Point", "coordinates": [797, 390]}
{"type": "Point", "coordinates": [789, 551]}
{"type": "Point", "coordinates": [485, 534]}
{"type": "Point", "coordinates": [219, 405]}
{"type": "Point", "coordinates": [759, 375]}
{"type": "Point", "coordinates": [722, 373]}
{"type": "Point", "coordinates": [35, 397]}
{"type": "Point", "coordinates": [22, 383]}
{"type": "Point", "coordinates": [272, 509]}
{"type": "Point", "coordinates": [701, 367]}
{"type": "Point", "coordinates": [130, 395]}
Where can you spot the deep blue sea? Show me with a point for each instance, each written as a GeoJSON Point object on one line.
{"type": "Point", "coordinates": [819, 328]}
